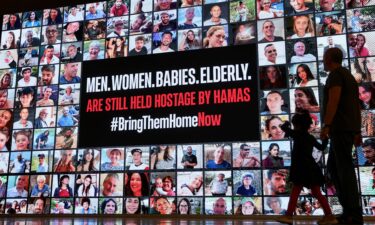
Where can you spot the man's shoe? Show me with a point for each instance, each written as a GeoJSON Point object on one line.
{"type": "Point", "coordinates": [327, 220]}
{"type": "Point", "coordinates": [285, 219]}
{"type": "Point", "coordinates": [345, 219]}
{"type": "Point", "coordinates": [351, 221]}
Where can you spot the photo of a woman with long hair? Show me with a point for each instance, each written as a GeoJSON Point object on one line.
{"type": "Point", "coordinates": [137, 185]}
{"type": "Point", "coordinates": [163, 157]}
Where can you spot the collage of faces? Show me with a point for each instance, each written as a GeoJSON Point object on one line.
{"type": "Point", "coordinates": [41, 53]}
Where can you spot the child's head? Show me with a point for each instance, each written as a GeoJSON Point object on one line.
{"type": "Point", "coordinates": [302, 24]}
{"type": "Point", "coordinates": [302, 120]}
{"type": "Point", "coordinates": [4, 137]}
{"type": "Point", "coordinates": [22, 139]}
{"type": "Point", "coordinates": [158, 182]}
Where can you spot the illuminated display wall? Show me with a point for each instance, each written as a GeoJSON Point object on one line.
{"type": "Point", "coordinates": [44, 168]}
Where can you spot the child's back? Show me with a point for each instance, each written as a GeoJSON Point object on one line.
{"type": "Point", "coordinates": [304, 170]}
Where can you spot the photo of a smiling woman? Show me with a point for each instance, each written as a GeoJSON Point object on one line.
{"type": "Point", "coordinates": [303, 75]}
{"type": "Point", "coordinates": [135, 206]}
{"type": "Point", "coordinates": [137, 184]}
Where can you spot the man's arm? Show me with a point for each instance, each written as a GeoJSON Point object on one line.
{"type": "Point", "coordinates": [334, 94]}
{"type": "Point", "coordinates": [237, 161]}
{"type": "Point", "coordinates": [190, 164]}
{"type": "Point", "coordinates": [194, 162]}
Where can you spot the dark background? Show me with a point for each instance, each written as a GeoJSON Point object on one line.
{"type": "Point", "coordinates": [14, 6]}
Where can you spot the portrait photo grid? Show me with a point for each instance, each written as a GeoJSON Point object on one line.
{"type": "Point", "coordinates": [42, 52]}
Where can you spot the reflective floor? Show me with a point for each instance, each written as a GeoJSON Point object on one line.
{"type": "Point", "coordinates": [150, 221]}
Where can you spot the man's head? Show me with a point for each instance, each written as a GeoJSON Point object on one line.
{"type": "Point", "coordinates": [276, 181]}
{"type": "Point", "coordinates": [137, 156]}
{"type": "Point", "coordinates": [220, 176]}
{"type": "Point", "coordinates": [139, 42]}
{"type": "Point", "coordinates": [68, 132]}
{"type": "Point", "coordinates": [51, 34]}
{"type": "Point", "coordinates": [332, 58]}
{"type": "Point", "coordinates": [119, 24]}
{"type": "Point", "coordinates": [244, 150]}
{"type": "Point", "coordinates": [92, 8]}
{"type": "Point", "coordinates": [71, 69]}
{"type": "Point", "coordinates": [299, 48]}
{"type": "Point", "coordinates": [22, 181]}
{"type": "Point", "coordinates": [41, 158]}
{"type": "Point", "coordinates": [48, 72]}
{"type": "Point", "coordinates": [270, 52]}
{"type": "Point", "coordinates": [39, 205]}
{"type": "Point", "coordinates": [73, 10]}
{"type": "Point", "coordinates": [71, 51]}
{"type": "Point", "coordinates": [268, 29]}
{"type": "Point", "coordinates": [67, 155]}
{"type": "Point", "coordinates": [219, 207]}
{"type": "Point", "coordinates": [164, 16]}
{"type": "Point", "coordinates": [49, 51]}
{"type": "Point", "coordinates": [166, 38]}
{"type": "Point", "coordinates": [26, 73]}
{"type": "Point", "coordinates": [43, 114]}
{"type": "Point", "coordinates": [29, 36]}
{"type": "Point", "coordinates": [352, 40]}
{"type": "Point", "coordinates": [274, 101]}
{"type": "Point", "coordinates": [189, 150]}
{"type": "Point", "coordinates": [330, 40]}
{"type": "Point", "coordinates": [189, 14]}
{"type": "Point", "coordinates": [118, 3]}
{"type": "Point", "coordinates": [110, 184]}
{"type": "Point", "coordinates": [219, 154]}
{"type": "Point", "coordinates": [368, 149]}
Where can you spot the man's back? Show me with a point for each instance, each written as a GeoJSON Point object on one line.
{"type": "Point", "coordinates": [348, 116]}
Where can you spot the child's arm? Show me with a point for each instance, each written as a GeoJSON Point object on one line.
{"type": "Point", "coordinates": [321, 146]}
{"type": "Point", "coordinates": [287, 129]}
{"type": "Point", "coordinates": [160, 191]}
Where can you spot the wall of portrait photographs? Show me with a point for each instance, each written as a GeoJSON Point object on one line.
{"type": "Point", "coordinates": [43, 171]}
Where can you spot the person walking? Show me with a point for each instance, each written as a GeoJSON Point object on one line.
{"type": "Point", "coordinates": [304, 171]}
{"type": "Point", "coordinates": [342, 125]}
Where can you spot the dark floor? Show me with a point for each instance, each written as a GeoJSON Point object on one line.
{"type": "Point", "coordinates": [152, 221]}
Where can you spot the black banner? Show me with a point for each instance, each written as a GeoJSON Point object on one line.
{"type": "Point", "coordinates": [184, 97]}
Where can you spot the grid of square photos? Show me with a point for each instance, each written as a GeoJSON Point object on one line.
{"type": "Point", "coordinates": [41, 53]}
